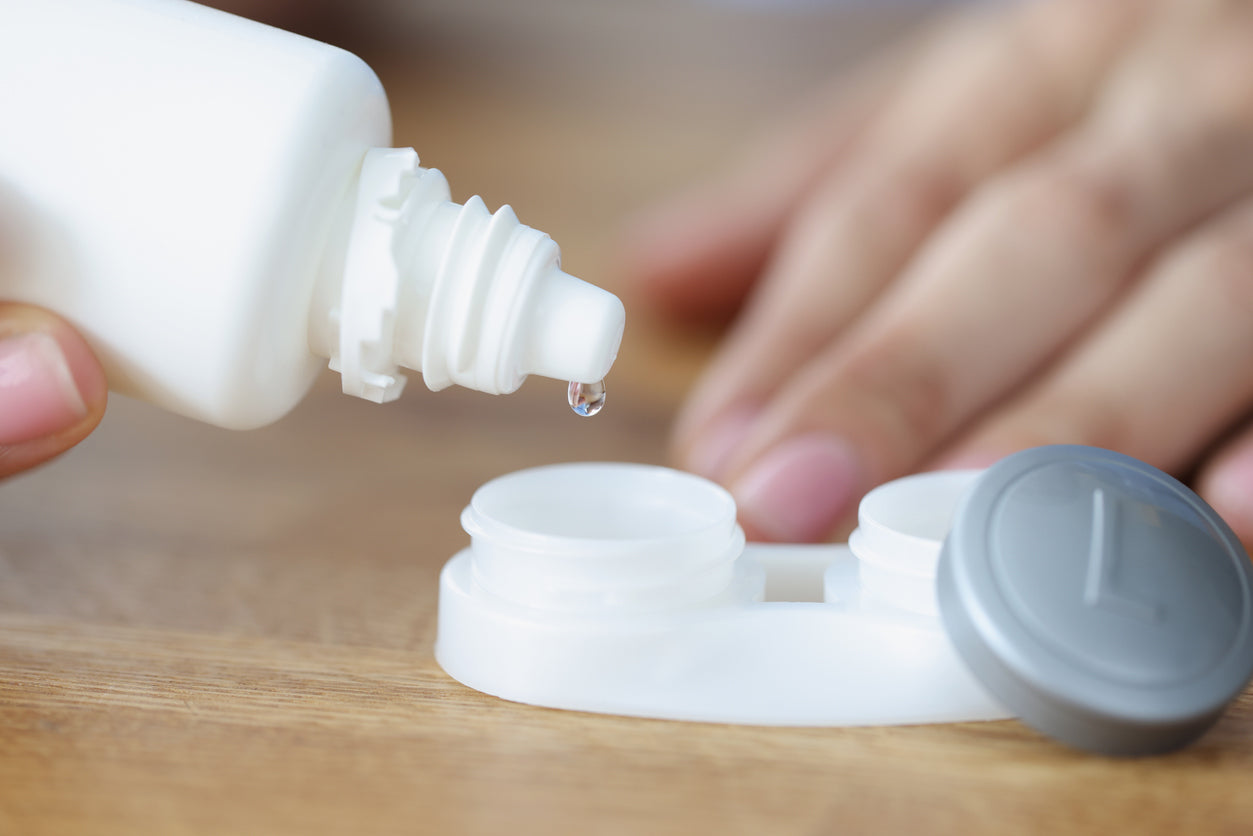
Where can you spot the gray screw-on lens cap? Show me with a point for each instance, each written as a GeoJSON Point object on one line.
{"type": "Point", "coordinates": [1098, 598]}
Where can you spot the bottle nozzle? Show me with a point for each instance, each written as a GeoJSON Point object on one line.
{"type": "Point", "coordinates": [573, 329]}
{"type": "Point", "coordinates": [461, 294]}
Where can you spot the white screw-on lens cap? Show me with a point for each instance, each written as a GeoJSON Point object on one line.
{"type": "Point", "coordinates": [1098, 598]}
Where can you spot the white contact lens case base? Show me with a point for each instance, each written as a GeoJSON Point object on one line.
{"type": "Point", "coordinates": [628, 589]}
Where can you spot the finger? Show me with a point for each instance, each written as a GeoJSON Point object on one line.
{"type": "Point", "coordinates": [1016, 275]}
{"type": "Point", "coordinates": [1226, 483]}
{"type": "Point", "coordinates": [695, 256]}
{"type": "Point", "coordinates": [52, 389]}
{"type": "Point", "coordinates": [950, 127]}
{"type": "Point", "coordinates": [1161, 376]}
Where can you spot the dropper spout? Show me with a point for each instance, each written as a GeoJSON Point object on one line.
{"type": "Point", "coordinates": [573, 329]}
{"type": "Point", "coordinates": [463, 295]}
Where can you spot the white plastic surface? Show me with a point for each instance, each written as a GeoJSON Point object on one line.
{"type": "Point", "coordinates": [167, 173]}
{"type": "Point", "coordinates": [463, 295]}
{"type": "Point", "coordinates": [183, 185]}
{"type": "Point", "coordinates": [627, 589]}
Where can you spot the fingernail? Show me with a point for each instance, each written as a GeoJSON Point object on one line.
{"type": "Point", "coordinates": [38, 394]}
{"type": "Point", "coordinates": [711, 452]}
{"type": "Point", "coordinates": [801, 489]}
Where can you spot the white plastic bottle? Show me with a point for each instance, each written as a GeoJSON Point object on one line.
{"type": "Point", "coordinates": [214, 204]}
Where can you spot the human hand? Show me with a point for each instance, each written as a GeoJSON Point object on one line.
{"type": "Point", "coordinates": [52, 389]}
{"type": "Point", "coordinates": [1035, 227]}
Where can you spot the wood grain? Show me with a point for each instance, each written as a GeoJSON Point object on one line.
{"type": "Point", "coordinates": [209, 632]}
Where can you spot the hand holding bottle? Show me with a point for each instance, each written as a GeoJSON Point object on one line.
{"type": "Point", "coordinates": [1033, 226]}
{"type": "Point", "coordinates": [52, 389]}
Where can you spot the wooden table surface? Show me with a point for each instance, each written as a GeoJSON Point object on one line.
{"type": "Point", "coordinates": [213, 632]}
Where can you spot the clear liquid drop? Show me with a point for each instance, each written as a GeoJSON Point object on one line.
{"type": "Point", "coordinates": [586, 399]}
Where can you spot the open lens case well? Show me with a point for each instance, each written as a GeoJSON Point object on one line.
{"type": "Point", "coordinates": [1093, 596]}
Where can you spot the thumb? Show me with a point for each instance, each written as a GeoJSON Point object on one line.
{"type": "Point", "coordinates": [52, 388]}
